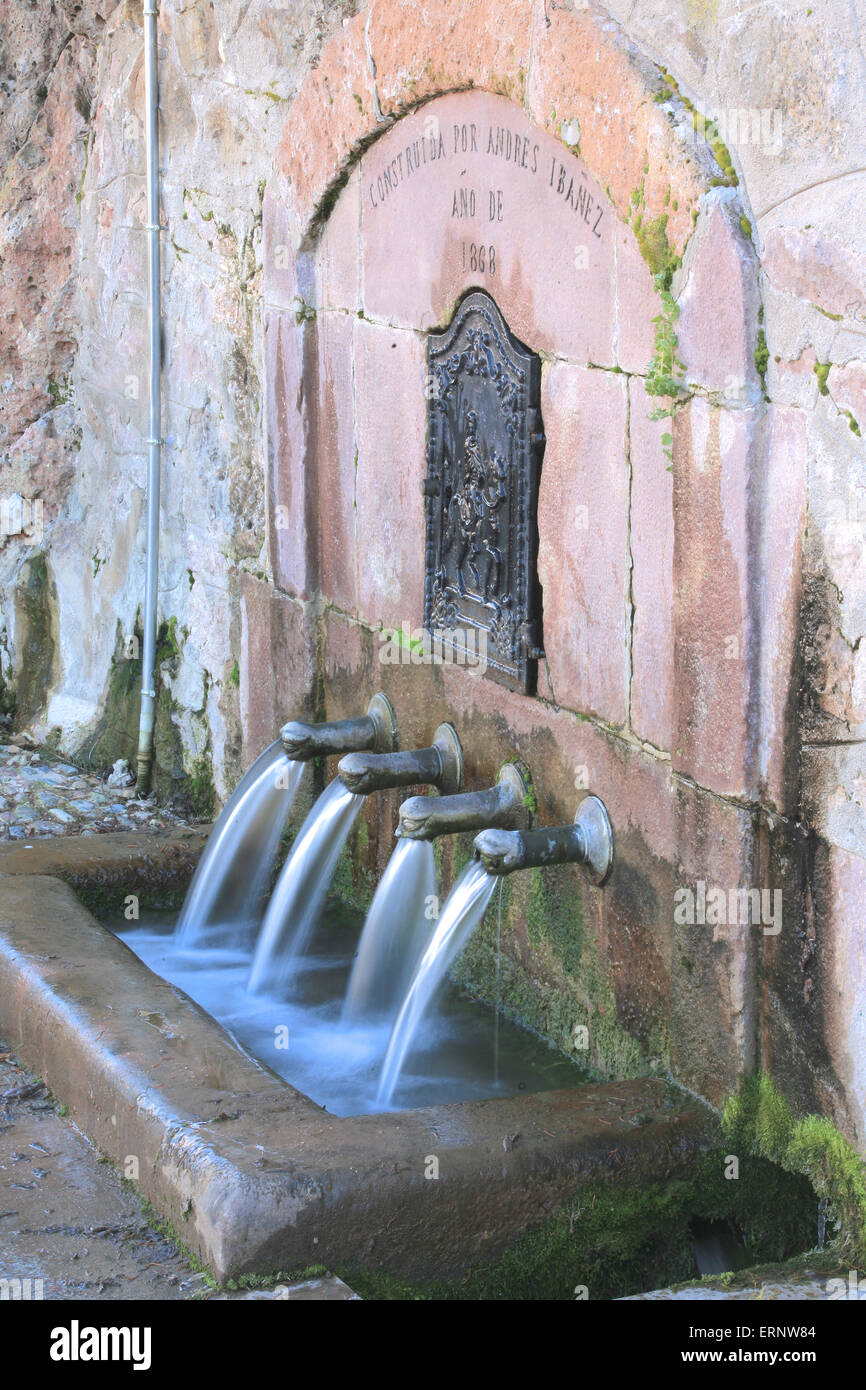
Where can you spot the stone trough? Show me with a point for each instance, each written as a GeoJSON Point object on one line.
{"type": "Point", "coordinates": [251, 1175]}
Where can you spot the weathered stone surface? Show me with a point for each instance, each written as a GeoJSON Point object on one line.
{"type": "Point", "coordinates": [714, 962]}
{"type": "Point", "coordinates": [846, 1021]}
{"type": "Point", "coordinates": [584, 71]}
{"type": "Point", "coordinates": [419, 51]}
{"type": "Point", "coordinates": [834, 793]}
{"type": "Point", "coordinates": [791, 112]}
{"type": "Point", "coordinates": [338, 104]}
{"type": "Point", "coordinates": [40, 240]}
{"type": "Point", "coordinates": [713, 651]}
{"type": "Point", "coordinates": [338, 276]}
{"type": "Point", "coordinates": [637, 305]}
{"type": "Point", "coordinates": [807, 1024]}
{"type": "Point", "coordinates": [289, 422]}
{"type": "Point", "coordinates": [468, 193]}
{"type": "Point", "coordinates": [583, 543]}
{"type": "Point", "coordinates": [337, 462]}
{"type": "Point", "coordinates": [718, 324]}
{"type": "Point", "coordinates": [847, 386]}
{"type": "Point", "coordinates": [779, 597]}
{"type": "Point", "coordinates": [276, 671]}
{"type": "Point", "coordinates": [391, 437]}
{"type": "Point", "coordinates": [654, 679]}
{"type": "Point", "coordinates": [814, 247]}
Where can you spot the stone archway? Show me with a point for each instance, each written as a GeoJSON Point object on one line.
{"type": "Point", "coordinates": [621, 252]}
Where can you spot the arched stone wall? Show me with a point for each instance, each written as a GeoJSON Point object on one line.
{"type": "Point", "coordinates": [668, 555]}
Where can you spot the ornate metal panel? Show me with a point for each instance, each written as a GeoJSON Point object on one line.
{"type": "Point", "coordinates": [484, 447]}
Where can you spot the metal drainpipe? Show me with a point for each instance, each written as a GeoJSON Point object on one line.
{"type": "Point", "coordinates": [154, 442]}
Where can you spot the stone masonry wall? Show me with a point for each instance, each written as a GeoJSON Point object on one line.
{"type": "Point", "coordinates": [251, 94]}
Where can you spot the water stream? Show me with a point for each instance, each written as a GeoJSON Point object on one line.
{"type": "Point", "coordinates": [466, 905]}
{"type": "Point", "coordinates": [297, 900]}
{"type": "Point", "coordinates": [395, 933]}
{"type": "Point", "coordinates": [234, 872]}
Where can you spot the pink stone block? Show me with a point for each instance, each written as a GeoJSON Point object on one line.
{"type": "Point", "coordinates": [335, 462]}
{"type": "Point", "coordinates": [714, 637]}
{"type": "Point", "coordinates": [420, 50]}
{"type": "Point", "coordinates": [467, 193]}
{"type": "Point", "coordinates": [289, 417]}
{"type": "Point", "coordinates": [637, 304]}
{"type": "Point", "coordinates": [337, 260]}
{"type": "Point", "coordinates": [847, 386]}
{"type": "Point", "coordinates": [390, 376]}
{"type": "Point", "coordinates": [334, 109]}
{"type": "Point", "coordinates": [714, 965]}
{"type": "Point", "coordinates": [653, 701]}
{"type": "Point", "coordinates": [845, 1026]}
{"type": "Point", "coordinates": [584, 69]}
{"type": "Point", "coordinates": [276, 664]}
{"type": "Point", "coordinates": [718, 323]}
{"type": "Point", "coordinates": [583, 542]}
{"type": "Point", "coordinates": [778, 599]}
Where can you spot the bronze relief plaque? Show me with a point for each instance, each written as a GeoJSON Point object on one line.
{"type": "Point", "coordinates": [482, 598]}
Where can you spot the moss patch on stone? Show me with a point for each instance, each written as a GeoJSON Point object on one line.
{"type": "Point", "coordinates": [116, 734]}
{"type": "Point", "coordinates": [614, 1239]}
{"type": "Point", "coordinates": [565, 989]}
{"type": "Point", "coordinates": [35, 640]}
{"type": "Point", "coordinates": [822, 371]}
{"type": "Point", "coordinates": [201, 792]}
{"type": "Point", "coordinates": [759, 1120]}
{"type": "Point", "coordinates": [665, 373]}
{"type": "Point", "coordinates": [762, 356]}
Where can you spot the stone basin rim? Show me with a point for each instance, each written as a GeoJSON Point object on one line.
{"type": "Point", "coordinates": [251, 1174]}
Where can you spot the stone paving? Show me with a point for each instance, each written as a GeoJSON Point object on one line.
{"type": "Point", "coordinates": [41, 794]}
{"type": "Point", "coordinates": [70, 1226]}
{"type": "Point", "coordinates": [767, 1291]}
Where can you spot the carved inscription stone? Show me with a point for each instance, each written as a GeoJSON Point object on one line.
{"type": "Point", "coordinates": [483, 458]}
{"type": "Point", "coordinates": [468, 193]}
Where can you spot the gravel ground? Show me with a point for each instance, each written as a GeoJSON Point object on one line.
{"type": "Point", "coordinates": [42, 795]}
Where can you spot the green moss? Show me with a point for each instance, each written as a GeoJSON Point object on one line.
{"type": "Point", "coordinates": [758, 1120]}
{"type": "Point", "coordinates": [615, 1240]}
{"type": "Point", "coordinates": [762, 356]}
{"type": "Point", "coordinates": [235, 674]}
{"type": "Point", "coordinates": [200, 789]}
{"type": "Point", "coordinates": [822, 371]}
{"type": "Point", "coordinates": [167, 645]}
{"type": "Point", "coordinates": [852, 423]}
{"type": "Point", "coordinates": [567, 986]}
{"type": "Point", "coordinates": [353, 882]}
{"type": "Point", "coordinates": [60, 391]}
{"type": "Point", "coordinates": [665, 371]}
{"type": "Point", "coordinates": [35, 640]}
{"type": "Point", "coordinates": [745, 226]}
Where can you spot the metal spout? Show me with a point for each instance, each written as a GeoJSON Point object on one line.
{"type": "Point", "coordinates": [588, 842]}
{"type": "Point", "coordinates": [506, 805]}
{"type": "Point", "coordinates": [440, 765]}
{"type": "Point", "coordinates": [377, 730]}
